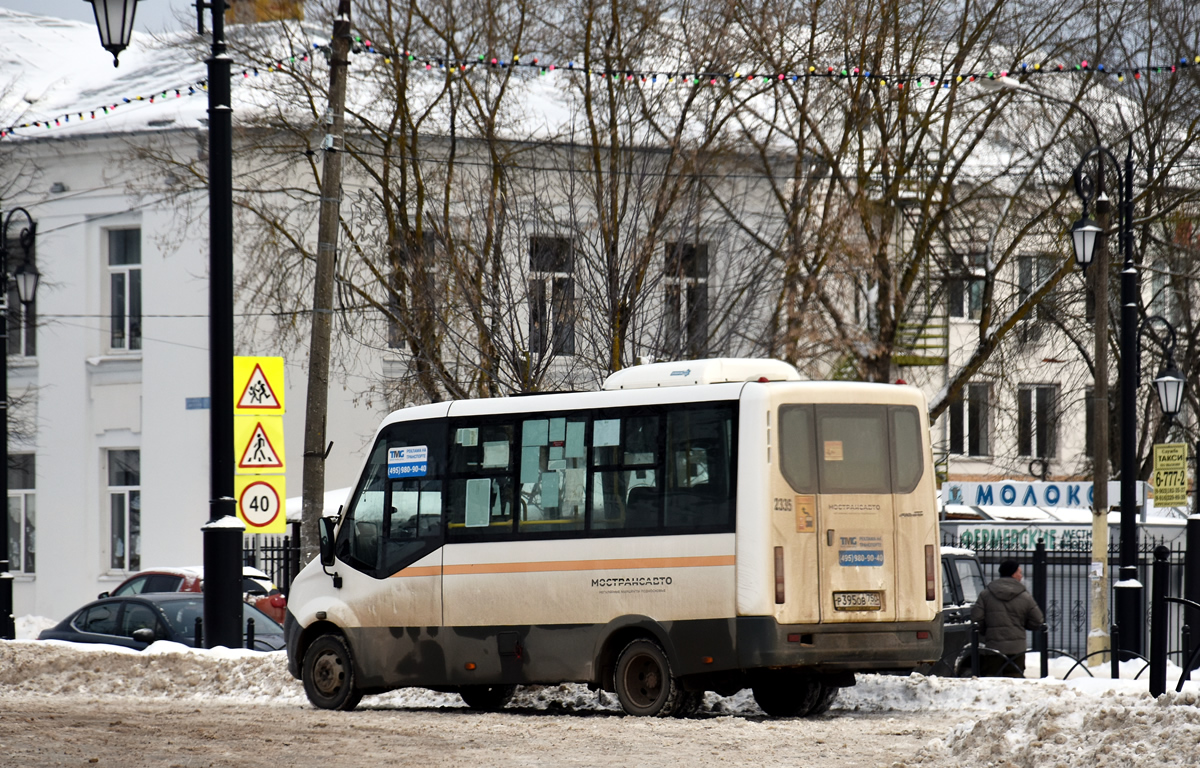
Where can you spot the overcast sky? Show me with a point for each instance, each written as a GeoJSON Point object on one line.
{"type": "Point", "coordinates": [152, 15]}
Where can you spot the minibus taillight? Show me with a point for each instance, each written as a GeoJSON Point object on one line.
{"type": "Point", "coordinates": [930, 573]}
{"type": "Point", "coordinates": [779, 575]}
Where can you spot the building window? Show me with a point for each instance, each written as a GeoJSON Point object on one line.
{"type": "Point", "coordinates": [685, 300]}
{"type": "Point", "coordinates": [22, 517]}
{"type": "Point", "coordinates": [964, 291]}
{"type": "Point", "coordinates": [1037, 421]}
{"type": "Point", "coordinates": [22, 319]}
{"type": "Point", "coordinates": [125, 509]}
{"type": "Point", "coordinates": [125, 288]}
{"type": "Point", "coordinates": [551, 296]}
{"type": "Point", "coordinates": [1032, 273]}
{"type": "Point", "coordinates": [970, 421]}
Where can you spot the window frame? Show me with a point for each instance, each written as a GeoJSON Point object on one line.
{"type": "Point", "coordinates": [686, 310]}
{"type": "Point", "coordinates": [130, 333]}
{"type": "Point", "coordinates": [552, 306]}
{"type": "Point", "coordinates": [131, 523]}
{"type": "Point", "coordinates": [22, 488]}
{"type": "Point", "coordinates": [1038, 417]}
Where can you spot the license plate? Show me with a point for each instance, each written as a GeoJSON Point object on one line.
{"type": "Point", "coordinates": [858, 601]}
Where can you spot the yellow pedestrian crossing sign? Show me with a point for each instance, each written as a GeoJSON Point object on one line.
{"type": "Point", "coordinates": [258, 386]}
{"type": "Point", "coordinates": [258, 445]}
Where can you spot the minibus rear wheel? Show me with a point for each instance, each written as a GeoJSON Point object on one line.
{"type": "Point", "coordinates": [644, 683]}
{"type": "Point", "coordinates": [328, 674]}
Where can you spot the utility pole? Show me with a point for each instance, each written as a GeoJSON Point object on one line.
{"type": "Point", "coordinates": [1098, 636]}
{"type": "Point", "coordinates": [328, 225]}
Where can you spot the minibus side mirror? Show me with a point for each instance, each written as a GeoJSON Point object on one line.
{"type": "Point", "coordinates": [327, 541]}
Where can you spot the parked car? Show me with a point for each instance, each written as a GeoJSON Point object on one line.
{"type": "Point", "coordinates": [962, 581]}
{"type": "Point", "coordinates": [257, 587]}
{"type": "Point", "coordinates": [136, 621]}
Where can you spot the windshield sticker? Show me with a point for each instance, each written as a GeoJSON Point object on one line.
{"type": "Point", "coordinates": [412, 461]}
{"type": "Point", "coordinates": [856, 551]}
{"type": "Point", "coordinates": [833, 450]}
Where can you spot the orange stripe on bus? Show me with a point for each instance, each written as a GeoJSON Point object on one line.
{"type": "Point", "coordinates": [571, 565]}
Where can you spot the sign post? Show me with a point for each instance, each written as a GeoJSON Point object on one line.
{"type": "Point", "coordinates": [260, 487]}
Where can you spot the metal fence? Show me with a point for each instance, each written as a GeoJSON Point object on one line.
{"type": "Point", "coordinates": [275, 555]}
{"type": "Point", "coordinates": [1068, 587]}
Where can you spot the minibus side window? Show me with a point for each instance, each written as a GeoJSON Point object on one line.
{"type": "Point", "coordinates": [480, 488]}
{"type": "Point", "coordinates": [553, 474]}
{"type": "Point", "coordinates": [626, 493]}
{"type": "Point", "coordinates": [698, 468]}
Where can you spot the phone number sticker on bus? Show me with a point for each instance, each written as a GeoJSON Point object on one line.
{"type": "Point", "coordinates": [412, 461]}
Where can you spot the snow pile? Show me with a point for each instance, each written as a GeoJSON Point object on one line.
{"type": "Point", "coordinates": [1076, 729]}
{"type": "Point", "coordinates": [164, 670]}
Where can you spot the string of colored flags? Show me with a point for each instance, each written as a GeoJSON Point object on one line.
{"type": "Point", "coordinates": [644, 76]}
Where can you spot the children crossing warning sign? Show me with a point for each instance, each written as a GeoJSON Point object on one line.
{"type": "Point", "coordinates": [258, 444]}
{"type": "Point", "coordinates": [258, 386]}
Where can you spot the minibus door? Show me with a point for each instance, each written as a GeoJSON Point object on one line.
{"type": "Point", "coordinates": [855, 515]}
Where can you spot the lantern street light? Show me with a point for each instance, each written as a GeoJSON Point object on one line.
{"type": "Point", "coordinates": [114, 20]}
{"type": "Point", "coordinates": [1084, 234]}
{"type": "Point", "coordinates": [1170, 382]}
{"type": "Point", "coordinates": [223, 533]}
{"type": "Point", "coordinates": [26, 278]}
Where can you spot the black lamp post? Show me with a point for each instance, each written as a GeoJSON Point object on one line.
{"type": "Point", "coordinates": [26, 278]}
{"type": "Point", "coordinates": [223, 533]}
{"type": "Point", "coordinates": [1129, 612]}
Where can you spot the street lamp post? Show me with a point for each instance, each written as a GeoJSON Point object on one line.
{"type": "Point", "coordinates": [1129, 611]}
{"type": "Point", "coordinates": [223, 533]}
{"type": "Point", "coordinates": [26, 277]}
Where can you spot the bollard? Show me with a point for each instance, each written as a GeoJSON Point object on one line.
{"type": "Point", "coordinates": [250, 634]}
{"type": "Point", "coordinates": [199, 632]}
{"type": "Point", "coordinates": [1113, 656]}
{"type": "Point", "coordinates": [286, 585]}
{"type": "Point", "coordinates": [1191, 571]}
{"type": "Point", "coordinates": [1185, 661]}
{"type": "Point", "coordinates": [1044, 633]}
{"type": "Point", "coordinates": [1158, 622]}
{"type": "Point", "coordinates": [974, 649]}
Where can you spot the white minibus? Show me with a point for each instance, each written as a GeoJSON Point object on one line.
{"type": "Point", "coordinates": [706, 525]}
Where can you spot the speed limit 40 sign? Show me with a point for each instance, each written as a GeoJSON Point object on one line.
{"type": "Point", "coordinates": [260, 502]}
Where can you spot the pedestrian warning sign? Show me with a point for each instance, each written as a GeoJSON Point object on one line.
{"type": "Point", "coordinates": [258, 385]}
{"type": "Point", "coordinates": [260, 503]}
{"type": "Point", "coordinates": [258, 444]}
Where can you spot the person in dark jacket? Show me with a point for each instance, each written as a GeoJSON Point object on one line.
{"type": "Point", "coordinates": [1004, 610]}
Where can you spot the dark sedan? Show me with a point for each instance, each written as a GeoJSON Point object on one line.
{"type": "Point", "coordinates": [136, 621]}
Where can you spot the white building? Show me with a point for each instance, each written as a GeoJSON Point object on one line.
{"type": "Point", "coordinates": [119, 370]}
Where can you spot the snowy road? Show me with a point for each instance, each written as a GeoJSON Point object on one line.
{"type": "Point", "coordinates": [67, 705]}
{"type": "Point", "coordinates": [131, 733]}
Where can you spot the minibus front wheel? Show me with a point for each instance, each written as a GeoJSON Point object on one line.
{"type": "Point", "coordinates": [328, 674]}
